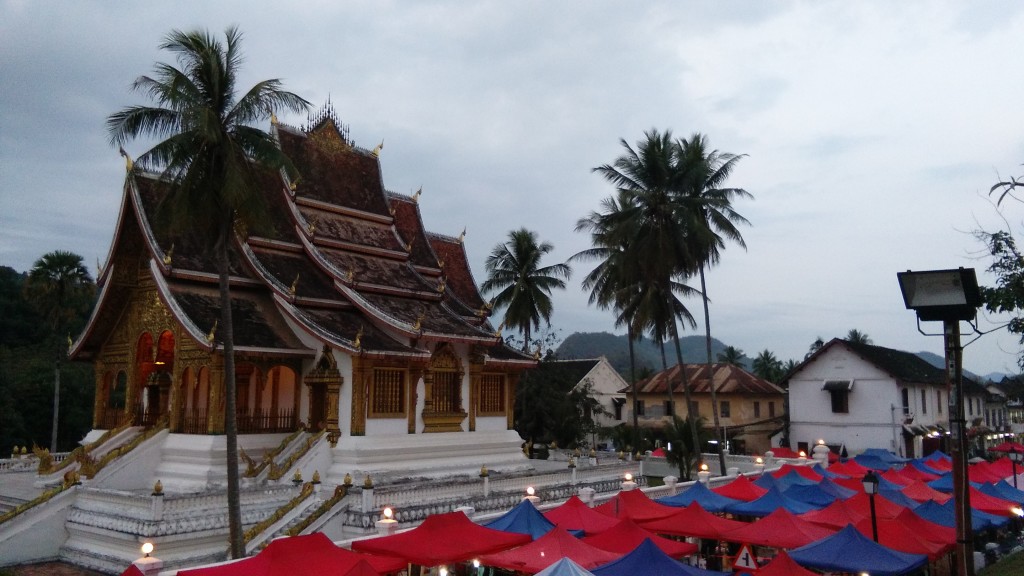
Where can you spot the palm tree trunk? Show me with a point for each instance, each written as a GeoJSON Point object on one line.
{"type": "Point", "coordinates": [691, 416]}
{"type": "Point", "coordinates": [711, 373]}
{"type": "Point", "coordinates": [632, 384]}
{"type": "Point", "coordinates": [56, 404]}
{"type": "Point", "coordinates": [236, 537]}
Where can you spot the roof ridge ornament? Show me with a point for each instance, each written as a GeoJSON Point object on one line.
{"type": "Point", "coordinates": [295, 285]}
{"type": "Point", "coordinates": [416, 196]}
{"type": "Point", "coordinates": [169, 255]}
{"type": "Point", "coordinates": [376, 150]}
{"type": "Point", "coordinates": [462, 236]}
{"type": "Point", "coordinates": [128, 164]}
{"type": "Point", "coordinates": [212, 334]}
{"type": "Point", "coordinates": [358, 342]}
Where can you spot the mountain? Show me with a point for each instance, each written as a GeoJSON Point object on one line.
{"type": "Point", "coordinates": [648, 357]}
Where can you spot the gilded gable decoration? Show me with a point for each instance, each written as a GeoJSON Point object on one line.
{"type": "Point", "coordinates": [128, 164]}
{"type": "Point", "coordinates": [377, 149]}
{"type": "Point", "coordinates": [169, 255]}
{"type": "Point", "coordinates": [295, 285]}
{"type": "Point", "coordinates": [416, 196]}
{"type": "Point", "coordinates": [212, 334]}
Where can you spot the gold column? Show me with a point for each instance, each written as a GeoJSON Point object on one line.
{"type": "Point", "coordinates": [215, 412]}
{"type": "Point", "coordinates": [102, 395]}
{"type": "Point", "coordinates": [474, 393]}
{"type": "Point", "coordinates": [361, 368]}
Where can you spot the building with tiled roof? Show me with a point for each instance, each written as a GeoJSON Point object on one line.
{"type": "Point", "coordinates": [750, 408]}
{"type": "Point", "coordinates": [350, 317]}
{"type": "Point", "coordinates": [864, 396]}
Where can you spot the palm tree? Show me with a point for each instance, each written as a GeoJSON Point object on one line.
{"type": "Point", "coordinates": [818, 344]}
{"type": "Point", "coordinates": [681, 451]}
{"type": "Point", "coordinates": [209, 157]}
{"type": "Point", "coordinates": [659, 253]}
{"type": "Point", "coordinates": [731, 355]}
{"type": "Point", "coordinates": [855, 336]}
{"type": "Point", "coordinates": [767, 366]}
{"type": "Point", "coordinates": [704, 173]}
{"type": "Point", "coordinates": [524, 287]}
{"type": "Point", "coordinates": [607, 281]}
{"type": "Point", "coordinates": [59, 287]}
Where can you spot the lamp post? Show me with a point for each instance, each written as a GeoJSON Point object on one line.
{"type": "Point", "coordinates": [950, 296]}
{"type": "Point", "coordinates": [1015, 456]}
{"type": "Point", "coordinates": [870, 482]}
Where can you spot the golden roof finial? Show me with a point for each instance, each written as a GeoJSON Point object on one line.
{"type": "Point", "coordinates": [408, 247]}
{"type": "Point", "coordinates": [378, 148]}
{"type": "Point", "coordinates": [273, 118]}
{"type": "Point", "coordinates": [416, 196]}
{"type": "Point", "coordinates": [99, 267]}
{"type": "Point", "coordinates": [311, 228]}
{"type": "Point", "coordinates": [212, 333]}
{"type": "Point", "coordinates": [497, 332]}
{"type": "Point", "coordinates": [462, 237]}
{"type": "Point", "coordinates": [292, 186]}
{"type": "Point", "coordinates": [358, 342]}
{"type": "Point", "coordinates": [128, 164]}
{"type": "Point", "coordinates": [419, 322]}
{"type": "Point", "coordinates": [350, 276]}
{"type": "Point", "coordinates": [294, 286]}
{"type": "Point", "coordinates": [391, 210]}
{"type": "Point", "coordinates": [536, 354]}
{"type": "Point", "coordinates": [441, 285]}
{"type": "Point", "coordinates": [169, 256]}
{"type": "Point", "coordinates": [440, 263]}
{"type": "Point", "coordinates": [367, 482]}
{"type": "Point", "coordinates": [347, 481]}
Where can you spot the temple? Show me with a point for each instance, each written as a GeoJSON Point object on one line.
{"type": "Point", "coordinates": [352, 321]}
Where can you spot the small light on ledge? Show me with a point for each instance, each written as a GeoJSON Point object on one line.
{"type": "Point", "coordinates": [821, 441]}
{"type": "Point", "coordinates": [703, 467]}
{"type": "Point", "coordinates": [147, 549]}
{"type": "Point", "coordinates": [443, 571]}
{"type": "Point", "coordinates": [476, 562]}
{"type": "Point", "coordinates": [530, 491]}
{"type": "Point", "coordinates": [389, 513]}
{"type": "Point", "coordinates": [1018, 511]}
{"type": "Point", "coordinates": [629, 477]}
{"type": "Point", "coordinates": [759, 461]}
{"type": "Point", "coordinates": [803, 454]}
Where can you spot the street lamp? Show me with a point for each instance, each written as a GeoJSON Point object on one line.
{"type": "Point", "coordinates": [870, 482]}
{"type": "Point", "coordinates": [1015, 457]}
{"type": "Point", "coordinates": [950, 296]}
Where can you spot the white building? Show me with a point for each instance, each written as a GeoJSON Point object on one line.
{"type": "Point", "coordinates": [865, 396]}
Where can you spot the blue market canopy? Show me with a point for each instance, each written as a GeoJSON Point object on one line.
{"type": "Point", "coordinates": [884, 456]}
{"type": "Point", "coordinates": [771, 501]}
{"type": "Point", "coordinates": [782, 483]}
{"type": "Point", "coordinates": [649, 560]}
{"type": "Point", "coordinates": [850, 551]}
{"type": "Point", "coordinates": [813, 495]}
{"type": "Point", "coordinates": [1003, 490]}
{"type": "Point", "coordinates": [565, 567]}
{"type": "Point", "coordinates": [699, 493]}
{"type": "Point", "coordinates": [944, 483]}
{"type": "Point", "coordinates": [945, 515]}
{"type": "Point", "coordinates": [898, 497]}
{"type": "Point", "coordinates": [523, 519]}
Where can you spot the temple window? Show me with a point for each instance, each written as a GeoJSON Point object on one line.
{"type": "Point", "coordinates": [387, 393]}
{"type": "Point", "coordinates": [492, 394]}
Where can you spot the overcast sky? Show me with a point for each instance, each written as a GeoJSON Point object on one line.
{"type": "Point", "coordinates": [873, 131]}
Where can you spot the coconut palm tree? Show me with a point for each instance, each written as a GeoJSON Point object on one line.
{"type": "Point", "coordinates": [607, 281]}
{"type": "Point", "coordinates": [523, 286]}
{"type": "Point", "coordinates": [209, 158]}
{"type": "Point", "coordinates": [59, 287]}
{"type": "Point", "coordinates": [704, 173]}
{"type": "Point", "coordinates": [659, 252]}
{"type": "Point", "coordinates": [855, 336]}
{"type": "Point", "coordinates": [767, 366]}
{"type": "Point", "coordinates": [731, 355]}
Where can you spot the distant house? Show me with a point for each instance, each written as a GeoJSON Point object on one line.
{"type": "Point", "coordinates": [606, 385]}
{"type": "Point", "coordinates": [863, 396]}
{"type": "Point", "coordinates": [751, 409]}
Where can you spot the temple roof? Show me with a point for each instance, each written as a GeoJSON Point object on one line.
{"type": "Point", "coordinates": [339, 257]}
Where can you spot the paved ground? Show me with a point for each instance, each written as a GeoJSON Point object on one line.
{"type": "Point", "coordinates": [48, 569]}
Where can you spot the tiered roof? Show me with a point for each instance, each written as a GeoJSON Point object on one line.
{"type": "Point", "coordinates": [349, 263]}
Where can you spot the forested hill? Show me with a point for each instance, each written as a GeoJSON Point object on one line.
{"type": "Point", "coordinates": [616, 349]}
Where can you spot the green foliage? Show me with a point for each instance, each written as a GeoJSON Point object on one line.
{"type": "Point", "coordinates": [683, 454]}
{"type": "Point", "coordinates": [26, 373]}
{"type": "Point", "coordinates": [855, 336]}
{"type": "Point", "coordinates": [1008, 293]}
{"type": "Point", "coordinates": [549, 408]}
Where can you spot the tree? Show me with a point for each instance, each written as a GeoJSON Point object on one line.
{"type": "Point", "coordinates": [704, 173]}
{"type": "Point", "coordinates": [682, 452]}
{"type": "Point", "coordinates": [523, 286]}
{"type": "Point", "coordinates": [660, 254]}
{"type": "Point", "coordinates": [732, 355]}
{"type": "Point", "coordinates": [767, 366]}
{"type": "Point", "coordinates": [209, 157]}
{"type": "Point", "coordinates": [855, 336]}
{"type": "Point", "coordinates": [60, 287]}
{"type": "Point", "coordinates": [608, 283]}
{"type": "Point", "coordinates": [818, 344]}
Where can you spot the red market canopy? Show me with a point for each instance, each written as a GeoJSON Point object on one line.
{"type": "Point", "coordinates": [805, 471]}
{"type": "Point", "coordinates": [991, 504]}
{"type": "Point", "coordinates": [741, 489]}
{"type": "Point", "coordinates": [849, 468]}
{"type": "Point", "coordinates": [575, 515]}
{"type": "Point", "coordinates": [982, 472]}
{"type": "Point", "coordinates": [625, 536]}
{"type": "Point", "coordinates": [692, 521]}
{"type": "Point", "coordinates": [309, 555]}
{"type": "Point", "coordinates": [915, 473]}
{"type": "Point", "coordinates": [896, 477]}
{"type": "Point", "coordinates": [780, 529]}
{"type": "Point", "coordinates": [784, 452]}
{"type": "Point", "coordinates": [897, 535]}
{"type": "Point", "coordinates": [132, 570]}
{"type": "Point", "coordinates": [1008, 447]}
{"type": "Point", "coordinates": [636, 505]}
{"type": "Point", "coordinates": [547, 550]}
{"type": "Point", "coordinates": [442, 539]}
{"type": "Point", "coordinates": [783, 565]}
{"type": "Point", "coordinates": [922, 492]}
